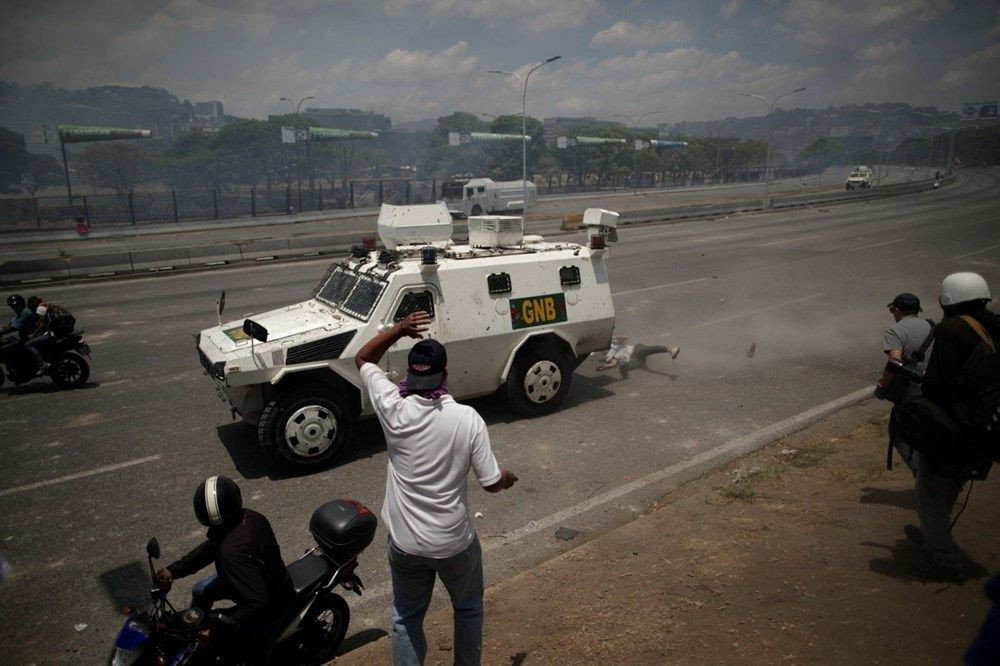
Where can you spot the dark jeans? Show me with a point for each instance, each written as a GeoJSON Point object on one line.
{"type": "Point", "coordinates": [252, 644]}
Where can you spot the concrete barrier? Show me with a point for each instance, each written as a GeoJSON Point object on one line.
{"type": "Point", "coordinates": [160, 259]}
{"type": "Point", "coordinates": [318, 245]}
{"type": "Point", "coordinates": [214, 255]}
{"type": "Point", "coordinates": [106, 262]}
{"type": "Point", "coordinates": [24, 270]}
{"type": "Point", "coordinates": [262, 249]}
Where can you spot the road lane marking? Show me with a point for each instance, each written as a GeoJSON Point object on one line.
{"type": "Point", "coordinates": [686, 470]}
{"type": "Point", "coordinates": [78, 475]}
{"type": "Point", "coordinates": [658, 286]}
{"type": "Point", "coordinates": [790, 240]}
{"type": "Point", "coordinates": [866, 247]}
{"type": "Point", "coordinates": [972, 254]}
{"type": "Point", "coordinates": [756, 311]}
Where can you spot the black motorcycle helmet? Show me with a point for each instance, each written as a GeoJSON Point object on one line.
{"type": "Point", "coordinates": [16, 302]}
{"type": "Point", "coordinates": [218, 501]}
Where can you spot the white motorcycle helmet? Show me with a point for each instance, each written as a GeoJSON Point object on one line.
{"type": "Point", "coordinates": [963, 288]}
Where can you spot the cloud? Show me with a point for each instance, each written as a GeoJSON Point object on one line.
{"type": "Point", "coordinates": [535, 15]}
{"type": "Point", "coordinates": [648, 34]}
{"type": "Point", "coordinates": [730, 7]}
{"type": "Point", "coordinates": [883, 51]}
{"type": "Point", "coordinates": [977, 69]}
{"type": "Point", "coordinates": [402, 66]}
{"type": "Point", "coordinates": [819, 24]}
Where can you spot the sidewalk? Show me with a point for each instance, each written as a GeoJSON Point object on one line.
{"type": "Point", "coordinates": [802, 560]}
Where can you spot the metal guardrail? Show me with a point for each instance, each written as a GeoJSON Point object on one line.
{"type": "Point", "coordinates": [145, 262]}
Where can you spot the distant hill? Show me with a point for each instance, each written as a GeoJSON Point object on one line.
{"type": "Point", "coordinates": [26, 108]}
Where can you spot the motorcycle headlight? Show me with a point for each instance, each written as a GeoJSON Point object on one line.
{"type": "Point", "coordinates": [123, 657]}
{"type": "Point", "coordinates": [130, 644]}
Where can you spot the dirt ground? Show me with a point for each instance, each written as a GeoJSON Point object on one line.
{"type": "Point", "coordinates": [794, 554]}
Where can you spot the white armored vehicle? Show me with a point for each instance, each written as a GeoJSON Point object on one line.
{"type": "Point", "coordinates": [479, 196]}
{"type": "Point", "coordinates": [860, 178]}
{"type": "Point", "coordinates": [515, 312]}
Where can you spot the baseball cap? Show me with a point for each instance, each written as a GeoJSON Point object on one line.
{"type": "Point", "coordinates": [425, 365]}
{"type": "Point", "coordinates": [906, 302]}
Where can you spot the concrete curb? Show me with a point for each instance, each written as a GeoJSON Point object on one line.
{"type": "Point", "coordinates": [146, 262]}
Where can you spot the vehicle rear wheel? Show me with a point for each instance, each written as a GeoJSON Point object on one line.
{"type": "Point", "coordinates": [322, 630]}
{"type": "Point", "coordinates": [304, 426]}
{"type": "Point", "coordinates": [69, 371]}
{"type": "Point", "coordinates": [539, 379]}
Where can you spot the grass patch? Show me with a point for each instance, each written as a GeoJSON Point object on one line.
{"type": "Point", "coordinates": [739, 491]}
{"type": "Point", "coordinates": [772, 472]}
{"type": "Point", "coordinates": [811, 455]}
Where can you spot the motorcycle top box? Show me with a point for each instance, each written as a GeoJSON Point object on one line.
{"type": "Point", "coordinates": [343, 528]}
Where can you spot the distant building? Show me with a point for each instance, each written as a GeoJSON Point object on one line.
{"type": "Point", "coordinates": [211, 110]}
{"type": "Point", "coordinates": [566, 125]}
{"type": "Point", "coordinates": [350, 119]}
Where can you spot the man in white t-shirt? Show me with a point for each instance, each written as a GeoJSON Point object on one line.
{"type": "Point", "coordinates": [432, 442]}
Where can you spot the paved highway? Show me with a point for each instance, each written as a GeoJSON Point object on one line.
{"type": "Point", "coordinates": [89, 475]}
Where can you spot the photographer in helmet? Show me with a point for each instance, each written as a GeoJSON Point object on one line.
{"type": "Point", "coordinates": [248, 564]}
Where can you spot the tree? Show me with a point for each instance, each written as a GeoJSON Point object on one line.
{"type": "Point", "coordinates": [192, 162]}
{"type": "Point", "coordinates": [118, 165]}
{"type": "Point", "coordinates": [824, 152]}
{"type": "Point", "coordinates": [21, 170]}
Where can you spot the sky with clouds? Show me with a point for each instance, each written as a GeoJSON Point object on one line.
{"type": "Point", "coordinates": [417, 59]}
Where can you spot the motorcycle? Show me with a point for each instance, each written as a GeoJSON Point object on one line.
{"type": "Point", "coordinates": [315, 625]}
{"type": "Point", "coordinates": [67, 366]}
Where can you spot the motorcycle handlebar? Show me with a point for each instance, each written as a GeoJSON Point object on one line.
{"type": "Point", "coordinates": [222, 620]}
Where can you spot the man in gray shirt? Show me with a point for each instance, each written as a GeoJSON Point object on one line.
{"type": "Point", "coordinates": [902, 342]}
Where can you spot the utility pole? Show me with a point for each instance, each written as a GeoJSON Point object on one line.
{"type": "Point", "coordinates": [298, 175]}
{"type": "Point", "coordinates": [767, 162]}
{"type": "Point", "coordinates": [635, 153]}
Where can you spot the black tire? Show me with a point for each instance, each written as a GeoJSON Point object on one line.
{"type": "Point", "coordinates": [539, 379]}
{"type": "Point", "coordinates": [476, 210]}
{"type": "Point", "coordinates": [69, 370]}
{"type": "Point", "coordinates": [3, 377]}
{"type": "Point", "coordinates": [325, 420]}
{"type": "Point", "coordinates": [322, 631]}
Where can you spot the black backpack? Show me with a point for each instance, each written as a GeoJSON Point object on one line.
{"type": "Point", "coordinates": [976, 407]}
{"type": "Point", "coordinates": [61, 322]}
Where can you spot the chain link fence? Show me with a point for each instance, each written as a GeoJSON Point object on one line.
{"type": "Point", "coordinates": [142, 208]}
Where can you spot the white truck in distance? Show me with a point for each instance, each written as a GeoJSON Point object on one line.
{"type": "Point", "coordinates": [481, 196]}
{"type": "Point", "coordinates": [516, 313]}
{"type": "Point", "coordinates": [860, 178]}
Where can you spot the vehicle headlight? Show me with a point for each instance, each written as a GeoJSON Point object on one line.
{"type": "Point", "coordinates": [123, 657]}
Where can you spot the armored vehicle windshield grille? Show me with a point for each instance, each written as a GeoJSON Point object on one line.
{"type": "Point", "coordinates": [337, 286]}
{"type": "Point", "coordinates": [364, 296]}
{"type": "Point", "coordinates": [415, 301]}
{"type": "Point", "coordinates": [320, 350]}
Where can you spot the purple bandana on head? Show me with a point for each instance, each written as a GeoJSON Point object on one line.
{"type": "Point", "coordinates": [433, 394]}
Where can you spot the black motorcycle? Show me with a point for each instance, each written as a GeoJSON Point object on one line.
{"type": "Point", "coordinates": [67, 366]}
{"type": "Point", "coordinates": [316, 622]}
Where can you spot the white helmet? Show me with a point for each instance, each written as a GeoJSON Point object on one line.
{"type": "Point", "coordinates": [962, 288]}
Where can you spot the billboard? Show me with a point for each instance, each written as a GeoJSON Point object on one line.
{"type": "Point", "coordinates": [979, 110]}
{"type": "Point", "coordinates": [564, 142]}
{"type": "Point", "coordinates": [86, 133]}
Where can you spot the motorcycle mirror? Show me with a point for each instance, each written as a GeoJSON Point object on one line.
{"type": "Point", "coordinates": [153, 548]}
{"type": "Point", "coordinates": [255, 330]}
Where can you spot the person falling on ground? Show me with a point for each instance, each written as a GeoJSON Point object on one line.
{"type": "Point", "coordinates": [628, 357]}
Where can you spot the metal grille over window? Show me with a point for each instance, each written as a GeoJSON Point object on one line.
{"type": "Point", "coordinates": [569, 275]}
{"type": "Point", "coordinates": [362, 300]}
{"type": "Point", "coordinates": [499, 283]}
{"type": "Point", "coordinates": [415, 301]}
{"type": "Point", "coordinates": [337, 287]}
{"type": "Point", "coordinates": [323, 281]}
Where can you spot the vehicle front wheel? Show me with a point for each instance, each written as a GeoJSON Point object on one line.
{"type": "Point", "coordinates": [69, 371]}
{"type": "Point", "coordinates": [304, 426]}
{"type": "Point", "coordinates": [539, 379]}
{"type": "Point", "coordinates": [476, 210]}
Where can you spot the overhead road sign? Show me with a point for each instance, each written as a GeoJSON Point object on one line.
{"type": "Point", "coordinates": [86, 133]}
{"type": "Point", "coordinates": [566, 142]}
{"type": "Point", "coordinates": [457, 138]}
{"type": "Point", "coordinates": [329, 134]}
{"type": "Point", "coordinates": [642, 144]}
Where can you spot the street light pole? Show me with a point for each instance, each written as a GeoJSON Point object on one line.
{"type": "Point", "coordinates": [635, 153]}
{"type": "Point", "coordinates": [298, 175]}
{"type": "Point", "coordinates": [524, 130]}
{"type": "Point", "coordinates": [881, 139]}
{"type": "Point", "coordinates": [767, 159]}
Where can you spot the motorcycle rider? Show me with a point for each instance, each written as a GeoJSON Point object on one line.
{"type": "Point", "coordinates": [40, 334]}
{"type": "Point", "coordinates": [23, 322]}
{"type": "Point", "coordinates": [249, 570]}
